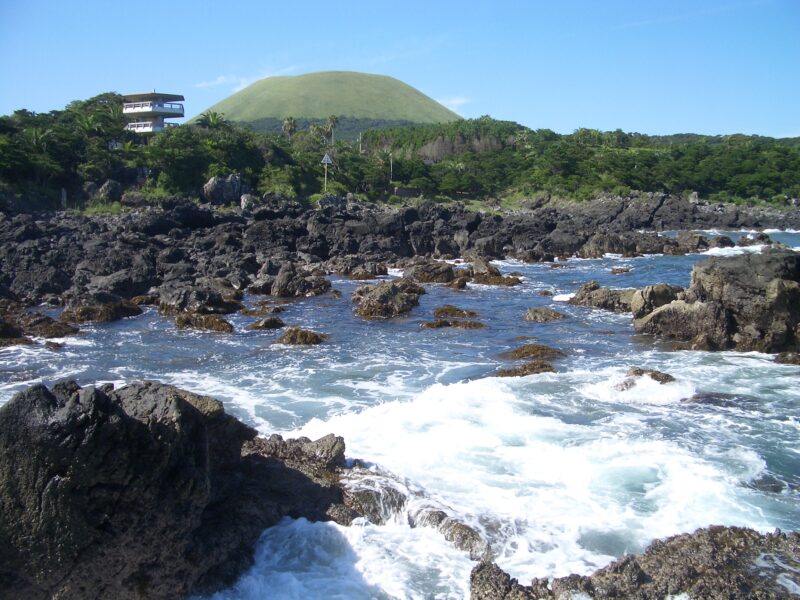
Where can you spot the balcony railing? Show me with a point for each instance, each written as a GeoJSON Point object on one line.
{"type": "Point", "coordinates": [148, 126]}
{"type": "Point", "coordinates": [158, 107]}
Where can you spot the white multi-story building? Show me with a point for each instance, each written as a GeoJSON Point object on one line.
{"type": "Point", "coordinates": [148, 111]}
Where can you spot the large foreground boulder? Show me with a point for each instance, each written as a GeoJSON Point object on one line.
{"type": "Point", "coordinates": [148, 491]}
{"type": "Point", "coordinates": [728, 563]}
{"type": "Point", "coordinates": [748, 302]}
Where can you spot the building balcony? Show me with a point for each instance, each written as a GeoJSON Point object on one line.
{"type": "Point", "coordinates": [153, 109]}
{"type": "Point", "coordinates": [148, 126]}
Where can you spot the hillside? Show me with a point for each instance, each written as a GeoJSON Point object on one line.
{"type": "Point", "coordinates": [361, 101]}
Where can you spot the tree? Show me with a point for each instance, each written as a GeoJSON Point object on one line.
{"type": "Point", "coordinates": [333, 121]}
{"type": "Point", "coordinates": [289, 127]}
{"type": "Point", "coordinates": [212, 119]}
{"type": "Point", "coordinates": [317, 131]}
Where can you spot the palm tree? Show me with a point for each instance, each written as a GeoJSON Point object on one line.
{"type": "Point", "coordinates": [289, 127]}
{"type": "Point", "coordinates": [37, 137]}
{"type": "Point", "coordinates": [89, 124]}
{"type": "Point", "coordinates": [317, 131]}
{"type": "Point", "coordinates": [212, 119]}
{"type": "Point", "coordinates": [333, 120]}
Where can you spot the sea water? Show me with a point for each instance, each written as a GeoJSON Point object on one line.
{"type": "Point", "coordinates": [560, 472]}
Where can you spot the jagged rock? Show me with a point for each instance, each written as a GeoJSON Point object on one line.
{"type": "Point", "coordinates": [39, 325]}
{"type": "Point", "coordinates": [461, 535]}
{"type": "Point", "coordinates": [293, 283]}
{"type": "Point", "coordinates": [223, 190]}
{"type": "Point", "coordinates": [592, 295]}
{"type": "Point", "coordinates": [100, 313]}
{"type": "Point", "coordinates": [530, 368]}
{"type": "Point", "coordinates": [459, 283]}
{"type": "Point", "coordinates": [267, 323]}
{"type": "Point", "coordinates": [496, 280]}
{"type": "Point", "coordinates": [689, 241]}
{"type": "Point", "coordinates": [454, 323]}
{"type": "Point", "coordinates": [788, 358]}
{"type": "Point", "coordinates": [196, 299]}
{"type": "Point", "coordinates": [721, 241]}
{"type": "Point", "coordinates": [543, 315]}
{"type": "Point", "coordinates": [703, 325]}
{"type": "Point", "coordinates": [363, 273]}
{"type": "Point", "coordinates": [629, 243]}
{"type": "Point", "coordinates": [297, 336]}
{"type": "Point", "coordinates": [248, 202]}
{"type": "Point", "coordinates": [147, 491]}
{"type": "Point", "coordinates": [262, 310]}
{"type": "Point", "coordinates": [430, 272]}
{"type": "Point", "coordinates": [538, 351]}
{"type": "Point", "coordinates": [50, 345]}
{"type": "Point", "coordinates": [754, 239]}
{"type": "Point", "coordinates": [748, 302]}
{"type": "Point", "coordinates": [646, 300]}
{"type": "Point", "coordinates": [636, 372]}
{"type": "Point", "coordinates": [716, 563]}
{"type": "Point", "coordinates": [386, 299]}
{"type": "Point", "coordinates": [481, 266]}
{"type": "Point", "coordinates": [448, 311]}
{"type": "Point", "coordinates": [11, 334]}
{"type": "Point", "coordinates": [208, 322]}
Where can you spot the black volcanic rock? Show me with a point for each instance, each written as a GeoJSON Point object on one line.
{"type": "Point", "coordinates": [747, 302]}
{"type": "Point", "coordinates": [714, 563]}
{"type": "Point", "coordinates": [148, 491]}
{"type": "Point", "coordinates": [592, 295]}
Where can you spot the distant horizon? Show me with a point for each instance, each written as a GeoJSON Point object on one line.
{"type": "Point", "coordinates": [727, 67]}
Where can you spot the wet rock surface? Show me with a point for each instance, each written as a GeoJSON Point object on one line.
{"type": "Point", "coordinates": [204, 322]}
{"type": "Point", "coordinates": [715, 563]}
{"type": "Point", "coordinates": [592, 295]}
{"type": "Point", "coordinates": [297, 336]}
{"type": "Point", "coordinates": [530, 368]}
{"type": "Point", "coordinates": [386, 299]}
{"type": "Point", "coordinates": [748, 302]}
{"type": "Point", "coordinates": [145, 491]}
{"type": "Point", "coordinates": [543, 315]}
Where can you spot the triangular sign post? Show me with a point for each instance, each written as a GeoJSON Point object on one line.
{"type": "Point", "coordinates": [326, 160]}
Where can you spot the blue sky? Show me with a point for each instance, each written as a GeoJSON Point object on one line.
{"type": "Point", "coordinates": [652, 66]}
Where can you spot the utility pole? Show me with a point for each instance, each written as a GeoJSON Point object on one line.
{"type": "Point", "coordinates": [391, 168]}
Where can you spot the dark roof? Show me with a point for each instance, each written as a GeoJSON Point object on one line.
{"type": "Point", "coordinates": [152, 96]}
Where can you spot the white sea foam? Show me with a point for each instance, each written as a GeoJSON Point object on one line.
{"type": "Point", "coordinates": [735, 251]}
{"type": "Point", "coordinates": [297, 559]}
{"type": "Point", "coordinates": [611, 386]}
{"type": "Point", "coordinates": [394, 272]}
{"type": "Point", "coordinates": [553, 497]}
{"type": "Point", "coordinates": [563, 297]}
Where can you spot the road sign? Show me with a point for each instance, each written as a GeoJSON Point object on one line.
{"type": "Point", "coordinates": [326, 160]}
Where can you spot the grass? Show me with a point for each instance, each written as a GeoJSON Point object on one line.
{"type": "Point", "coordinates": [114, 208]}
{"type": "Point", "coordinates": [341, 93]}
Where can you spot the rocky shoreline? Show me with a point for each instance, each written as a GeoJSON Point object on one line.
{"type": "Point", "coordinates": [186, 258]}
{"type": "Point", "coordinates": [152, 491]}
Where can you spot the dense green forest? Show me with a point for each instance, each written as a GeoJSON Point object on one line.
{"type": "Point", "coordinates": [479, 159]}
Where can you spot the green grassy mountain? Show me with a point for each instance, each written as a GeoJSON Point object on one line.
{"type": "Point", "coordinates": [360, 100]}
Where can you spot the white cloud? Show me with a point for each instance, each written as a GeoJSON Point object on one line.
{"type": "Point", "coordinates": [221, 80]}
{"type": "Point", "coordinates": [238, 82]}
{"type": "Point", "coordinates": [454, 102]}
